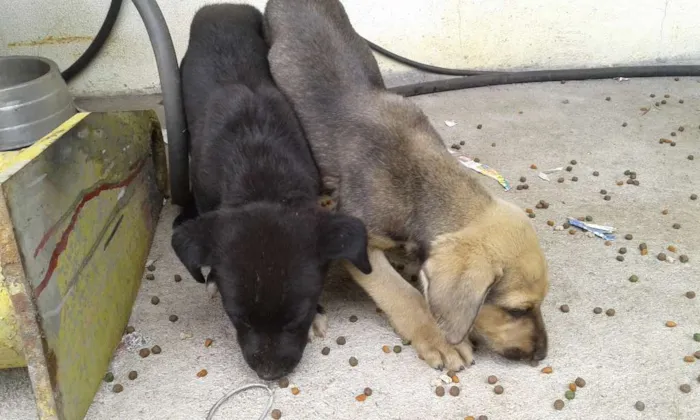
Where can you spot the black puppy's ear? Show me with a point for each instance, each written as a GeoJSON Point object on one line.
{"type": "Point", "coordinates": [344, 237]}
{"type": "Point", "coordinates": [192, 243]}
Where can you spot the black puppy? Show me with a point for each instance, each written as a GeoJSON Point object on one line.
{"type": "Point", "coordinates": [255, 221]}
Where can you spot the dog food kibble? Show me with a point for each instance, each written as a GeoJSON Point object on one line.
{"type": "Point", "coordinates": [589, 218]}
{"type": "Point", "coordinates": [642, 246]}
{"type": "Point", "coordinates": [117, 388]}
{"type": "Point", "coordinates": [325, 351]}
{"type": "Point", "coordinates": [276, 414]}
{"type": "Point", "coordinates": [109, 377]}
{"type": "Point", "coordinates": [622, 250]}
{"type": "Point", "coordinates": [569, 168]}
{"type": "Point", "coordinates": [361, 397]}
{"type": "Point", "coordinates": [440, 391]}
{"type": "Point", "coordinates": [523, 179]}
{"type": "Point", "coordinates": [531, 215]}
{"type": "Point", "coordinates": [691, 157]}
{"type": "Point", "coordinates": [367, 391]}
{"type": "Point", "coordinates": [676, 225]}
{"type": "Point", "coordinates": [572, 387]}
{"type": "Point", "coordinates": [620, 258]}
{"type": "Point", "coordinates": [202, 373]}
{"type": "Point", "coordinates": [683, 258]}
{"type": "Point", "coordinates": [283, 382]}
{"type": "Point", "coordinates": [693, 197]}
{"type": "Point", "coordinates": [685, 388]}
{"type": "Point", "coordinates": [624, 124]}
{"type": "Point", "coordinates": [570, 395]}
{"type": "Point", "coordinates": [386, 349]}
{"type": "Point", "coordinates": [671, 248]}
{"type": "Point", "coordinates": [572, 231]}
{"type": "Point", "coordinates": [295, 391]}
{"type": "Point", "coordinates": [629, 237]}
{"type": "Point", "coordinates": [550, 222]}
{"type": "Point", "coordinates": [664, 212]}
{"type": "Point", "coordinates": [353, 361]}
{"type": "Point", "coordinates": [173, 318]}
{"type": "Point", "coordinates": [673, 134]}
{"type": "Point", "coordinates": [634, 278]}
{"type": "Point", "coordinates": [639, 406]}
{"type": "Point", "coordinates": [558, 405]}
{"type": "Point", "coordinates": [564, 308]}
{"type": "Point", "coordinates": [663, 102]}
{"type": "Point", "coordinates": [130, 329]}
{"type": "Point", "coordinates": [610, 312]}
{"type": "Point", "coordinates": [492, 379]}
{"type": "Point", "coordinates": [533, 166]}
{"type": "Point", "coordinates": [397, 349]}
{"type": "Point", "coordinates": [455, 379]}
{"type": "Point", "coordinates": [478, 127]}
{"type": "Point", "coordinates": [607, 243]}
{"type": "Point", "coordinates": [341, 340]}
{"type": "Point", "coordinates": [560, 180]}
{"type": "Point", "coordinates": [690, 295]}
{"type": "Point", "coordinates": [144, 353]}
{"type": "Point", "coordinates": [454, 391]}
{"type": "Point", "coordinates": [689, 359]}
{"type": "Point", "coordinates": [580, 382]}
{"type": "Point", "coordinates": [155, 300]}
{"type": "Point", "coordinates": [574, 179]}
{"type": "Point", "coordinates": [597, 310]}
{"type": "Point", "coordinates": [353, 318]}
{"type": "Point", "coordinates": [498, 390]}
{"type": "Point", "coordinates": [547, 370]}
{"type": "Point", "coordinates": [178, 278]}
{"type": "Point", "coordinates": [455, 146]}
{"type": "Point", "coordinates": [671, 324]}
{"type": "Point", "coordinates": [661, 256]}
{"type": "Point", "coordinates": [608, 99]}
{"type": "Point", "coordinates": [156, 349]}
{"type": "Point", "coordinates": [697, 354]}
{"type": "Point", "coordinates": [208, 342]}
{"type": "Point", "coordinates": [151, 267]}
{"type": "Point", "coordinates": [606, 198]}
{"type": "Point", "coordinates": [133, 375]}
{"type": "Point", "coordinates": [150, 277]}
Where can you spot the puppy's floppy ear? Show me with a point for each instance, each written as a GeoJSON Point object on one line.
{"type": "Point", "coordinates": [192, 242]}
{"type": "Point", "coordinates": [344, 237]}
{"type": "Point", "coordinates": [456, 300]}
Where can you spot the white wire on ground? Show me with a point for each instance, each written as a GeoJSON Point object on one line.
{"type": "Point", "coordinates": [223, 399]}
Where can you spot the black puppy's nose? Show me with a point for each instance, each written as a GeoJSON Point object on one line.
{"type": "Point", "coordinates": [540, 348]}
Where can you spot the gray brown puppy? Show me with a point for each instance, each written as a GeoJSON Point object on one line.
{"type": "Point", "coordinates": [484, 273]}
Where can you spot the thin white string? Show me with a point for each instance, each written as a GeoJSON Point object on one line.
{"type": "Point", "coordinates": [223, 399]}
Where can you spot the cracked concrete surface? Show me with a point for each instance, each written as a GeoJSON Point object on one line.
{"type": "Point", "coordinates": [629, 357]}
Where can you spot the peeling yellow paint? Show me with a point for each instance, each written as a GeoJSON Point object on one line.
{"type": "Point", "coordinates": [51, 40]}
{"type": "Point", "coordinates": [11, 355]}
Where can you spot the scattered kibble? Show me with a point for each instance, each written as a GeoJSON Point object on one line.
{"type": "Point", "coordinates": [664, 212]}
{"type": "Point", "coordinates": [671, 324]}
{"type": "Point", "coordinates": [144, 353]}
{"type": "Point", "coordinates": [202, 373]}
{"type": "Point", "coordinates": [634, 278]}
{"type": "Point", "coordinates": [570, 395]}
{"type": "Point", "coordinates": [610, 312]}
{"type": "Point", "coordinates": [492, 380]}
{"type": "Point", "coordinates": [685, 388]}
{"type": "Point", "coordinates": [156, 349]}
{"type": "Point", "coordinates": [580, 382]}
{"type": "Point", "coordinates": [117, 388]}
{"type": "Point", "coordinates": [558, 405]}
{"type": "Point", "coordinates": [671, 248]}
{"type": "Point", "coordinates": [676, 225]}
{"type": "Point", "coordinates": [133, 375]}
{"type": "Point", "coordinates": [130, 329]}
{"type": "Point", "coordinates": [523, 179]}
{"type": "Point", "coordinates": [341, 341]}
{"type": "Point", "coordinates": [455, 379]}
{"type": "Point", "coordinates": [386, 349]}
{"type": "Point", "coordinates": [150, 277]}
{"type": "Point", "coordinates": [690, 295]}
{"type": "Point", "coordinates": [178, 278]}
{"type": "Point", "coordinates": [353, 361]}
{"type": "Point", "coordinates": [596, 173]}
{"type": "Point", "coordinates": [295, 391]}
{"type": "Point", "coordinates": [622, 250]}
{"type": "Point", "coordinates": [440, 391]}
{"type": "Point", "coordinates": [533, 166]}
{"type": "Point", "coordinates": [564, 308]}
{"type": "Point", "coordinates": [574, 179]}
{"type": "Point", "coordinates": [367, 391]}
{"type": "Point", "coordinates": [697, 354]}
{"type": "Point", "coordinates": [597, 310]}
{"type": "Point", "coordinates": [624, 124]}
{"type": "Point", "coordinates": [607, 198]}
{"type": "Point", "coordinates": [629, 237]}
{"type": "Point", "coordinates": [109, 377]}
{"type": "Point", "coordinates": [353, 318]}
{"type": "Point", "coordinates": [560, 180]}
{"type": "Point", "coordinates": [620, 258]}
{"type": "Point", "coordinates": [208, 342]}
{"type": "Point", "coordinates": [173, 318]}
{"type": "Point", "coordinates": [478, 127]}
{"type": "Point", "coordinates": [547, 370]}
{"type": "Point", "coordinates": [498, 390]}
{"type": "Point", "coordinates": [454, 391]}
{"type": "Point", "coordinates": [569, 168]}
{"type": "Point", "coordinates": [283, 382]}
{"type": "Point", "coordinates": [325, 351]}
{"type": "Point", "coordinates": [661, 256]}
{"type": "Point", "coordinates": [151, 267]}
{"type": "Point", "coordinates": [531, 215]}
{"type": "Point", "coordinates": [608, 243]}
{"type": "Point", "coordinates": [361, 397]}
{"type": "Point", "coordinates": [693, 197]}
{"type": "Point", "coordinates": [689, 359]}
{"type": "Point", "coordinates": [572, 387]}
{"type": "Point", "coordinates": [397, 349]}
{"type": "Point", "coordinates": [550, 223]}
{"type": "Point", "coordinates": [663, 102]}
{"type": "Point", "coordinates": [639, 406]}
{"type": "Point", "coordinates": [155, 300]}
{"type": "Point", "coordinates": [683, 258]}
{"type": "Point", "coordinates": [276, 414]}
{"type": "Point", "coordinates": [572, 231]}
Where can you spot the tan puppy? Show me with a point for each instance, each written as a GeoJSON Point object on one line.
{"type": "Point", "coordinates": [483, 270]}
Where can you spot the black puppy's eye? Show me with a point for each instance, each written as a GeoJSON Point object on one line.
{"type": "Point", "coordinates": [517, 313]}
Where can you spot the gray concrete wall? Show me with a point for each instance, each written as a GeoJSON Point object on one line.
{"type": "Point", "coordinates": [481, 34]}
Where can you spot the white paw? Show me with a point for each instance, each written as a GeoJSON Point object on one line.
{"type": "Point", "coordinates": [212, 290]}
{"type": "Point", "coordinates": [319, 328]}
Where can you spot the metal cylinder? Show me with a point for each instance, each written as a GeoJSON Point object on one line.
{"type": "Point", "coordinates": [34, 99]}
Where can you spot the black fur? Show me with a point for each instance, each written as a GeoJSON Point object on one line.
{"type": "Point", "coordinates": [255, 219]}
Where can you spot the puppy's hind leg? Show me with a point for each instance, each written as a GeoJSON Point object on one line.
{"type": "Point", "coordinates": [408, 313]}
{"type": "Point", "coordinates": [319, 328]}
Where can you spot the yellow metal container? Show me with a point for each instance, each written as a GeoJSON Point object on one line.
{"type": "Point", "coordinates": [78, 211]}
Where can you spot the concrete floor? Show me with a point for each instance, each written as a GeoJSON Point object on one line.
{"type": "Point", "coordinates": [626, 358]}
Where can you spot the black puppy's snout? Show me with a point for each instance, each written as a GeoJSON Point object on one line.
{"type": "Point", "coordinates": [541, 346]}
{"type": "Point", "coordinates": [270, 373]}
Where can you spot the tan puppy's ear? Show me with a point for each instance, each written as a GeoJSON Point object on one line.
{"type": "Point", "coordinates": [456, 298]}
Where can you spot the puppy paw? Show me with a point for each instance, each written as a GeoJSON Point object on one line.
{"type": "Point", "coordinates": [212, 290]}
{"type": "Point", "coordinates": [319, 328]}
{"type": "Point", "coordinates": [432, 347]}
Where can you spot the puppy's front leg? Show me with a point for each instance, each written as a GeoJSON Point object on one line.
{"type": "Point", "coordinates": [409, 314]}
{"type": "Point", "coordinates": [319, 328]}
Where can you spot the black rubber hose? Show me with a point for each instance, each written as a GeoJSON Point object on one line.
{"type": "Point", "coordinates": [96, 45]}
{"type": "Point", "coordinates": [543, 76]}
{"type": "Point", "coordinates": [175, 123]}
